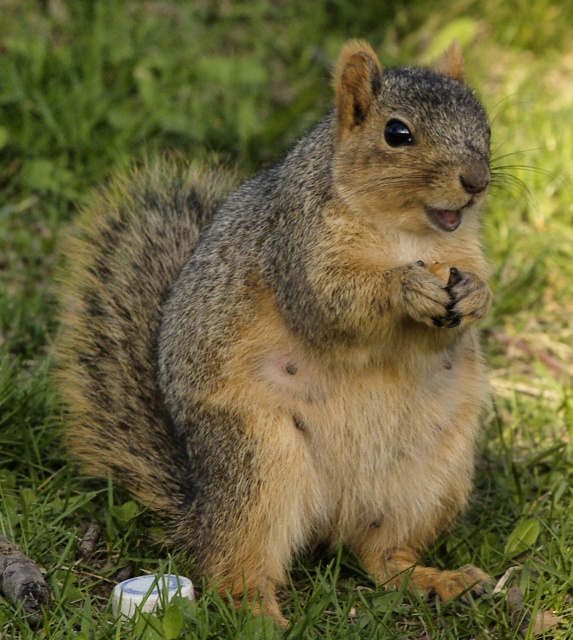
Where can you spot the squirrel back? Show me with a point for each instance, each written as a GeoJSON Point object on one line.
{"type": "Point", "coordinates": [296, 362]}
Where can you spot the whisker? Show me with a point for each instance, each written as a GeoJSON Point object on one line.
{"type": "Point", "coordinates": [513, 185]}
{"type": "Point", "coordinates": [557, 180]}
{"type": "Point", "coordinates": [530, 100]}
{"type": "Point", "coordinates": [500, 145]}
{"type": "Point", "coordinates": [522, 151]}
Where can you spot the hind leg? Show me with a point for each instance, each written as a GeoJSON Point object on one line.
{"type": "Point", "coordinates": [396, 567]}
{"type": "Point", "coordinates": [392, 564]}
{"type": "Point", "coordinates": [279, 524]}
{"type": "Point", "coordinates": [239, 556]}
{"type": "Point", "coordinates": [429, 494]}
{"type": "Point", "coordinates": [253, 513]}
{"type": "Point", "coordinates": [263, 600]}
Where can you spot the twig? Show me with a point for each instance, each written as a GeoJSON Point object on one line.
{"type": "Point", "coordinates": [503, 580]}
{"type": "Point", "coordinates": [550, 362]}
{"type": "Point", "coordinates": [519, 617]}
{"type": "Point", "coordinates": [21, 580]}
{"type": "Point", "coordinates": [503, 386]}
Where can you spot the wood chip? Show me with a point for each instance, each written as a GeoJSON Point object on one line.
{"type": "Point", "coordinates": [87, 545]}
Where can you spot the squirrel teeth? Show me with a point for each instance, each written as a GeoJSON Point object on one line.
{"type": "Point", "coordinates": [445, 219]}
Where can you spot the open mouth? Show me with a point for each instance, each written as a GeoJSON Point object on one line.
{"type": "Point", "coordinates": [444, 219]}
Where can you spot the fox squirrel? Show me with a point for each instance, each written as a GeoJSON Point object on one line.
{"type": "Point", "coordinates": [296, 362]}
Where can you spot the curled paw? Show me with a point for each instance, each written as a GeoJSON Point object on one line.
{"type": "Point", "coordinates": [442, 296]}
{"type": "Point", "coordinates": [424, 295]}
{"type": "Point", "coordinates": [470, 296]}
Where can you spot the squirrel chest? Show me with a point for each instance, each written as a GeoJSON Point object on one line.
{"type": "Point", "coordinates": [371, 434]}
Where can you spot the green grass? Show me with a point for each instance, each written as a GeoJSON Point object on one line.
{"type": "Point", "coordinates": [86, 87]}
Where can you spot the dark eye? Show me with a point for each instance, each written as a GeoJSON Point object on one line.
{"type": "Point", "coordinates": [397, 134]}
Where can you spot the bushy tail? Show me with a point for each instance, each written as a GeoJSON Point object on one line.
{"type": "Point", "coordinates": [130, 243]}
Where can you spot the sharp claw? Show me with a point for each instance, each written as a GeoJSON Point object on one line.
{"type": "Point", "coordinates": [455, 277]}
{"type": "Point", "coordinates": [437, 322]}
{"type": "Point", "coordinates": [453, 319]}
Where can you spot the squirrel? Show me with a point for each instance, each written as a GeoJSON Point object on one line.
{"type": "Point", "coordinates": [294, 360]}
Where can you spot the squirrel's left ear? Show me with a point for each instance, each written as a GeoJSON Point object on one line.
{"type": "Point", "coordinates": [357, 80]}
{"type": "Point", "coordinates": [452, 63]}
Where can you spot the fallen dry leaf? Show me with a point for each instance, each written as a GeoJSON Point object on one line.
{"type": "Point", "coordinates": [544, 620]}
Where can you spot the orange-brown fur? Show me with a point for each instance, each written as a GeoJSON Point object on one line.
{"type": "Point", "coordinates": [319, 381]}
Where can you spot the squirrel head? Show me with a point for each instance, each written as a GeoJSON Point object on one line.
{"type": "Point", "coordinates": [412, 145]}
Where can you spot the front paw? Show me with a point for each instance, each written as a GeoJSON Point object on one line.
{"type": "Point", "coordinates": [425, 297]}
{"type": "Point", "coordinates": [470, 296]}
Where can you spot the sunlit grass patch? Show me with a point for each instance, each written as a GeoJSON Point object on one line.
{"type": "Point", "coordinates": [86, 88]}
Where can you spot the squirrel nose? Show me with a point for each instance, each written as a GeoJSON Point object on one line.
{"type": "Point", "coordinates": [475, 180]}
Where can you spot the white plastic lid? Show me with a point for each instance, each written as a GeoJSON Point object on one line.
{"type": "Point", "coordinates": [146, 592]}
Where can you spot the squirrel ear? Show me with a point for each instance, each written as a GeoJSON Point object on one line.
{"type": "Point", "coordinates": [357, 80]}
{"type": "Point", "coordinates": [452, 63]}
